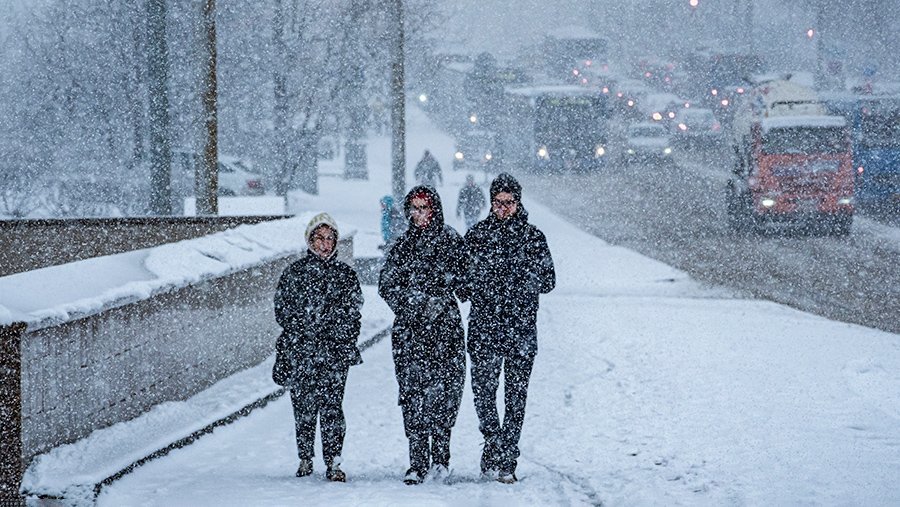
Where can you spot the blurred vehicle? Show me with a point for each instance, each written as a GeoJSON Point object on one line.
{"type": "Point", "coordinates": [793, 162]}
{"type": "Point", "coordinates": [647, 142]}
{"type": "Point", "coordinates": [554, 128]}
{"type": "Point", "coordinates": [476, 150]}
{"type": "Point", "coordinates": [875, 131]}
{"type": "Point", "coordinates": [235, 175]}
{"type": "Point", "coordinates": [696, 127]}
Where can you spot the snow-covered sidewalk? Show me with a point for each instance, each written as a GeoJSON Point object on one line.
{"type": "Point", "coordinates": [648, 389]}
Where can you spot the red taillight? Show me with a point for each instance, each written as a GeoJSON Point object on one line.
{"type": "Point", "coordinates": [860, 170]}
{"type": "Point", "coordinates": [254, 184]}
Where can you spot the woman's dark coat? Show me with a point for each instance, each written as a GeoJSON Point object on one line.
{"type": "Point", "coordinates": [421, 275]}
{"type": "Point", "coordinates": [509, 266]}
{"type": "Point", "coordinates": [317, 305]}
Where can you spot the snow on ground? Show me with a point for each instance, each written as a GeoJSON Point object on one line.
{"type": "Point", "coordinates": [648, 389]}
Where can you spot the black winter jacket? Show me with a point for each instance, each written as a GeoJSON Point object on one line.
{"type": "Point", "coordinates": [317, 304]}
{"type": "Point", "coordinates": [509, 266]}
{"type": "Point", "coordinates": [421, 274]}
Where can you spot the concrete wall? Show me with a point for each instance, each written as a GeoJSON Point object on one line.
{"type": "Point", "coordinates": [37, 243]}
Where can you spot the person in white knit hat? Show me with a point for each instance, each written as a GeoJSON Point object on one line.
{"type": "Point", "coordinates": [317, 304]}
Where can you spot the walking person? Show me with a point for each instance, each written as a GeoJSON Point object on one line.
{"type": "Point", "coordinates": [471, 201]}
{"type": "Point", "coordinates": [317, 305]}
{"type": "Point", "coordinates": [428, 171]}
{"type": "Point", "coordinates": [421, 275]}
{"type": "Point", "coordinates": [509, 265]}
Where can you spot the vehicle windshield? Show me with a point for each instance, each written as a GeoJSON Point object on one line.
{"type": "Point", "coordinates": [647, 131]}
{"type": "Point", "coordinates": [564, 120]}
{"type": "Point", "coordinates": [806, 140]}
{"type": "Point", "coordinates": [698, 118]}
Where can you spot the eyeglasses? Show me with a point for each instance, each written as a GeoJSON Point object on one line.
{"type": "Point", "coordinates": [506, 203]}
{"type": "Point", "coordinates": [327, 239]}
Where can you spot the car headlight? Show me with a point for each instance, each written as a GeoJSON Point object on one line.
{"type": "Point", "coordinates": [543, 153]}
{"type": "Point", "coordinates": [767, 202]}
{"type": "Point", "coordinates": [599, 151]}
{"type": "Point", "coordinates": [631, 151]}
{"type": "Point", "coordinates": [845, 200]}
{"type": "Point", "coordinates": [667, 150]}
{"type": "Point", "coordinates": [458, 155]}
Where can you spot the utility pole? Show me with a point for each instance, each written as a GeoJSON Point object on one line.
{"type": "Point", "coordinates": [207, 177]}
{"type": "Point", "coordinates": [355, 147]}
{"type": "Point", "coordinates": [398, 109]}
{"type": "Point", "coordinates": [160, 135]}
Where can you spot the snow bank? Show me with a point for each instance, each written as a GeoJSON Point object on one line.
{"type": "Point", "coordinates": [59, 293]}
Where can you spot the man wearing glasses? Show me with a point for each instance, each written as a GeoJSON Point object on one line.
{"type": "Point", "coordinates": [509, 266]}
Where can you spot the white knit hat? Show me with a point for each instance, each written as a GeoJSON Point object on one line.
{"type": "Point", "coordinates": [320, 219]}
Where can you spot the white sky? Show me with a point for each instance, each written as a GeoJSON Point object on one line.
{"type": "Point", "coordinates": [648, 389]}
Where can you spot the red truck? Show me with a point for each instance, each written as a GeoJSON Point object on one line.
{"type": "Point", "coordinates": [793, 164]}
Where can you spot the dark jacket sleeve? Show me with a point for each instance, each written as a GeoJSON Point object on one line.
{"type": "Point", "coordinates": [289, 302]}
{"type": "Point", "coordinates": [543, 264]}
{"type": "Point", "coordinates": [392, 284]}
{"type": "Point", "coordinates": [345, 317]}
{"type": "Point", "coordinates": [460, 268]}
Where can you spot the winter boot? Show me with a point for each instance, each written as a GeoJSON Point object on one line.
{"type": "Point", "coordinates": [507, 478]}
{"type": "Point", "coordinates": [305, 468]}
{"type": "Point", "coordinates": [335, 474]}
{"type": "Point", "coordinates": [414, 477]}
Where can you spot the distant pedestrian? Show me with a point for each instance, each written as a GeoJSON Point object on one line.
{"type": "Point", "coordinates": [317, 304]}
{"type": "Point", "coordinates": [428, 171]}
{"type": "Point", "coordinates": [421, 275]}
{"type": "Point", "coordinates": [392, 221]}
{"type": "Point", "coordinates": [471, 201]}
{"type": "Point", "coordinates": [509, 265]}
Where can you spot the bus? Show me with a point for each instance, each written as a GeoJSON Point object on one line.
{"type": "Point", "coordinates": [875, 126]}
{"type": "Point", "coordinates": [554, 128]}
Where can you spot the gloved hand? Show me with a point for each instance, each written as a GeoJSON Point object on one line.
{"type": "Point", "coordinates": [435, 307]}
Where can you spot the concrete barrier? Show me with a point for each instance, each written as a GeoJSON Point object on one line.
{"type": "Point", "coordinates": [36, 243]}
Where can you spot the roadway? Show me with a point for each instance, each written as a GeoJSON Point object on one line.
{"type": "Point", "coordinates": [675, 213]}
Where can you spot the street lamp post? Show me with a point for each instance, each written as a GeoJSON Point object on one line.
{"type": "Point", "coordinates": [398, 109]}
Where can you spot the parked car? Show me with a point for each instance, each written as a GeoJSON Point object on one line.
{"type": "Point", "coordinates": [648, 142]}
{"type": "Point", "coordinates": [236, 175]}
{"type": "Point", "coordinates": [697, 127]}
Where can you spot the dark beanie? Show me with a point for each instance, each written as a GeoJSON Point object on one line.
{"type": "Point", "coordinates": [504, 182]}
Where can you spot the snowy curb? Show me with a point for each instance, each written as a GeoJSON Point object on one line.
{"type": "Point", "coordinates": [86, 490]}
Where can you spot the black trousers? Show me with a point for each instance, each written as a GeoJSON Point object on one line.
{"type": "Point", "coordinates": [501, 439]}
{"type": "Point", "coordinates": [431, 395]}
{"type": "Point", "coordinates": [321, 396]}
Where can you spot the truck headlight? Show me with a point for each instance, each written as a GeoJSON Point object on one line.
{"type": "Point", "coordinates": [667, 150]}
{"type": "Point", "coordinates": [543, 153]}
{"type": "Point", "coordinates": [458, 155]}
{"type": "Point", "coordinates": [599, 151]}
